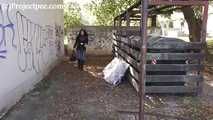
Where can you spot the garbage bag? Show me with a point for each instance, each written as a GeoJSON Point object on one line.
{"type": "Point", "coordinates": [73, 56]}
{"type": "Point", "coordinates": [114, 71]}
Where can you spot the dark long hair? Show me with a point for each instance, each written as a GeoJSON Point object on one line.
{"type": "Point", "coordinates": [85, 33]}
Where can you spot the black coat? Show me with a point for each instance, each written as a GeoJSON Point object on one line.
{"type": "Point", "coordinates": [80, 42]}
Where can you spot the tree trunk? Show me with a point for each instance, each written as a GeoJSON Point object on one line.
{"type": "Point", "coordinates": [154, 21]}
{"type": "Point", "coordinates": [194, 24]}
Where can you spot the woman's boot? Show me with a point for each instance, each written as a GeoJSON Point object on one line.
{"type": "Point", "coordinates": [79, 64]}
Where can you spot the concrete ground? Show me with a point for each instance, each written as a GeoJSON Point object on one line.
{"type": "Point", "coordinates": [70, 94]}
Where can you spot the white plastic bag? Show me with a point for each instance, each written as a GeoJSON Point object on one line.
{"type": "Point", "coordinates": [114, 71]}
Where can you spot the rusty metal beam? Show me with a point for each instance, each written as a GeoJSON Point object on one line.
{"type": "Point", "coordinates": [153, 3]}
{"type": "Point", "coordinates": [143, 27]}
{"type": "Point", "coordinates": [178, 2]}
{"type": "Point", "coordinates": [203, 38]}
{"type": "Point", "coordinates": [129, 9]}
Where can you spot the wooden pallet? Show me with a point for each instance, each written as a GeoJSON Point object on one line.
{"type": "Point", "coordinates": [178, 69]}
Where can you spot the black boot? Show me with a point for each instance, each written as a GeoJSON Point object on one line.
{"type": "Point", "coordinates": [79, 64]}
{"type": "Point", "coordinates": [82, 65]}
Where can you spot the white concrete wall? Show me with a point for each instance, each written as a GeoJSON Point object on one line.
{"type": "Point", "coordinates": [31, 44]}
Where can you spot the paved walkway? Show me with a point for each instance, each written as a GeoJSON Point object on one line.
{"type": "Point", "coordinates": [70, 94]}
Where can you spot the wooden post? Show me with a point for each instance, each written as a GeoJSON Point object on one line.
{"type": "Point", "coordinates": [128, 27]}
{"type": "Point", "coordinates": [203, 40]}
{"type": "Point", "coordinates": [204, 22]}
{"type": "Point", "coordinates": [143, 27]}
{"type": "Point", "coordinates": [114, 41]}
{"type": "Point", "coordinates": [119, 30]}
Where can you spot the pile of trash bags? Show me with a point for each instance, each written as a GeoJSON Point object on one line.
{"type": "Point", "coordinates": [115, 70]}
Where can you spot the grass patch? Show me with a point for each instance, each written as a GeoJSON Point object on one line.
{"type": "Point", "coordinates": [210, 43]}
{"type": "Point", "coordinates": [210, 49]}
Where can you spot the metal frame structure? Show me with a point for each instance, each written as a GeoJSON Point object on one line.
{"type": "Point", "coordinates": [141, 11]}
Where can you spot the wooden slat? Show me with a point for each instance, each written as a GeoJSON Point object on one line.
{"type": "Point", "coordinates": [175, 56]}
{"type": "Point", "coordinates": [167, 46]}
{"type": "Point", "coordinates": [168, 56]}
{"type": "Point", "coordinates": [134, 84]}
{"type": "Point", "coordinates": [127, 53]}
{"type": "Point", "coordinates": [174, 67]}
{"type": "Point", "coordinates": [132, 64]}
{"type": "Point", "coordinates": [168, 78]}
{"type": "Point", "coordinates": [173, 78]}
{"type": "Point", "coordinates": [165, 67]}
{"type": "Point", "coordinates": [176, 46]}
{"type": "Point", "coordinates": [128, 32]}
{"type": "Point", "coordinates": [132, 46]}
{"type": "Point", "coordinates": [170, 89]}
{"type": "Point", "coordinates": [134, 74]}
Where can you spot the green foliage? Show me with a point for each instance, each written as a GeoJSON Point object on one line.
{"type": "Point", "coordinates": [198, 12]}
{"type": "Point", "coordinates": [210, 43]}
{"type": "Point", "coordinates": [106, 10]}
{"type": "Point", "coordinates": [72, 16]}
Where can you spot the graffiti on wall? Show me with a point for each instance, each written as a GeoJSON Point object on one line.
{"type": "Point", "coordinates": [73, 35]}
{"type": "Point", "coordinates": [104, 40]}
{"type": "Point", "coordinates": [35, 43]}
{"type": "Point", "coordinates": [30, 46]}
{"type": "Point", "coordinates": [59, 38]}
{"type": "Point", "coordinates": [5, 25]}
{"type": "Point", "coordinates": [98, 39]}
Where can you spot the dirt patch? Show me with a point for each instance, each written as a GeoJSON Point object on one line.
{"type": "Point", "coordinates": [70, 94]}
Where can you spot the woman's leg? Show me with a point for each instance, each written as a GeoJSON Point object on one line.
{"type": "Point", "coordinates": [78, 56]}
{"type": "Point", "coordinates": [82, 61]}
{"type": "Point", "coordinates": [79, 64]}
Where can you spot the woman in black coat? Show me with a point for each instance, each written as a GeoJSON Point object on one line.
{"type": "Point", "coordinates": [80, 46]}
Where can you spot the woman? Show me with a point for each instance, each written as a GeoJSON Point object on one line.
{"type": "Point", "coordinates": [80, 45]}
